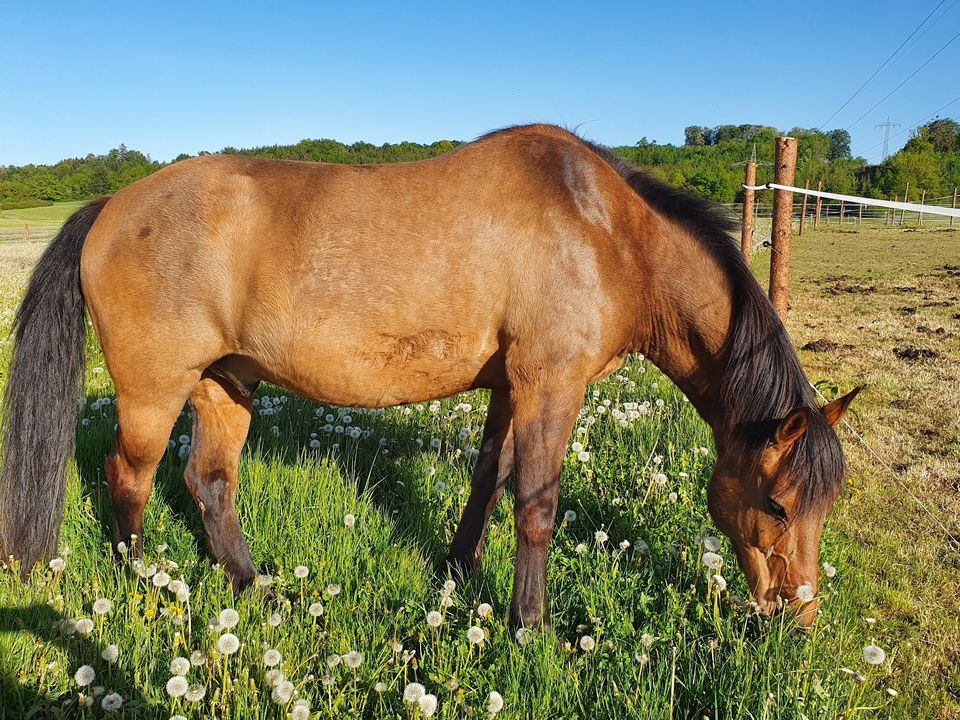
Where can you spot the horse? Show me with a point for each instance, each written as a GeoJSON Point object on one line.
{"type": "Point", "coordinates": [529, 262]}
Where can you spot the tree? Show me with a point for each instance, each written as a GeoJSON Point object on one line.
{"type": "Point", "coordinates": [943, 134]}
{"type": "Point", "coordinates": [694, 135]}
{"type": "Point", "coordinates": [839, 144]}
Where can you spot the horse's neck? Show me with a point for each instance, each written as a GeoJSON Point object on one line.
{"type": "Point", "coordinates": [684, 317]}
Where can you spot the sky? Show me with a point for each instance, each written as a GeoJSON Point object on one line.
{"type": "Point", "coordinates": [166, 78]}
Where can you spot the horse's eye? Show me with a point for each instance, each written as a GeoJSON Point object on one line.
{"type": "Point", "coordinates": [776, 509]}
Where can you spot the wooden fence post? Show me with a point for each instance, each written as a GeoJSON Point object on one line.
{"type": "Point", "coordinates": [803, 209]}
{"type": "Point", "coordinates": [923, 197]}
{"type": "Point", "coordinates": [785, 171]}
{"type": "Point", "coordinates": [954, 206]}
{"type": "Point", "coordinates": [748, 223]}
{"type": "Point", "coordinates": [841, 212]}
{"type": "Point", "coordinates": [906, 194]}
{"type": "Point", "coordinates": [893, 219]}
{"type": "Point", "coordinates": [860, 216]}
{"type": "Point", "coordinates": [816, 221]}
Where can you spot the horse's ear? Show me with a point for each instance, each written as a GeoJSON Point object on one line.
{"type": "Point", "coordinates": [834, 410]}
{"type": "Point", "coordinates": [792, 427]}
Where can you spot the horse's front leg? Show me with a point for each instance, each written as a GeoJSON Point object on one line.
{"type": "Point", "coordinates": [490, 474]}
{"type": "Point", "coordinates": [543, 416]}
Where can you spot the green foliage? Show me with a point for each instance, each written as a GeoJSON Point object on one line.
{"type": "Point", "coordinates": [24, 203]}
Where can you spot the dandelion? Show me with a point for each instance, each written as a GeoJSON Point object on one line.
{"type": "Point", "coordinates": [110, 653]}
{"type": "Point", "coordinates": [198, 658]}
{"type": "Point", "coordinates": [274, 620]}
{"type": "Point", "coordinates": [333, 589]}
{"type": "Point", "coordinates": [647, 640]}
{"type": "Point", "coordinates": [271, 657]}
{"type": "Point", "coordinates": [228, 643]}
{"type": "Point", "coordinates": [672, 497]}
{"type": "Point", "coordinates": [720, 582]}
{"type": "Point", "coordinates": [435, 443]}
{"type": "Point", "coordinates": [475, 635]}
{"type": "Point", "coordinates": [102, 606]}
{"type": "Point", "coordinates": [333, 661]}
{"type": "Point", "coordinates": [600, 536]}
{"type": "Point", "coordinates": [282, 693]}
{"type": "Point", "coordinates": [301, 571]}
{"type": "Point", "coordinates": [228, 618]}
{"type": "Point", "coordinates": [523, 636]}
{"type": "Point", "coordinates": [494, 702]}
{"type": "Point", "coordinates": [587, 643]}
{"type": "Point", "coordinates": [161, 579]}
{"type": "Point", "coordinates": [195, 693]}
{"type": "Point", "coordinates": [352, 659]}
{"type": "Point", "coordinates": [380, 687]}
{"type": "Point", "coordinates": [583, 456]}
{"type": "Point", "coordinates": [570, 516]}
{"type": "Point", "coordinates": [177, 686]}
{"type": "Point", "coordinates": [805, 593]}
{"type": "Point", "coordinates": [892, 693]}
{"type": "Point", "coordinates": [274, 677]}
{"type": "Point", "coordinates": [315, 609]}
{"type": "Point", "coordinates": [84, 626]}
{"type": "Point", "coordinates": [712, 560]}
{"type": "Point", "coordinates": [874, 655]}
{"type": "Point", "coordinates": [440, 486]}
{"type": "Point", "coordinates": [179, 666]}
{"type": "Point", "coordinates": [349, 520]}
{"type": "Point", "coordinates": [484, 610]}
{"type": "Point", "coordinates": [580, 549]}
{"type": "Point", "coordinates": [428, 705]}
{"type": "Point", "coordinates": [413, 692]}
{"type": "Point", "coordinates": [449, 586]}
{"type": "Point", "coordinates": [829, 570]}
{"type": "Point", "coordinates": [84, 675]}
{"type": "Point", "coordinates": [624, 545]}
{"type": "Point", "coordinates": [111, 702]}
{"type": "Point", "coordinates": [301, 711]}
{"type": "Point", "coordinates": [434, 619]}
{"type": "Point", "coordinates": [576, 447]}
{"type": "Point", "coordinates": [660, 479]}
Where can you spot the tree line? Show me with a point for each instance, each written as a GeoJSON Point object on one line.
{"type": "Point", "coordinates": [709, 163]}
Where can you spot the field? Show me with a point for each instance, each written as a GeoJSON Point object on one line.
{"type": "Point", "coordinates": [369, 507]}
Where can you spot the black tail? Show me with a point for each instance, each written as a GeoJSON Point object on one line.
{"type": "Point", "coordinates": [44, 387]}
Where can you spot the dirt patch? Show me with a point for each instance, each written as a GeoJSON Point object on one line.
{"type": "Point", "coordinates": [908, 311]}
{"type": "Point", "coordinates": [841, 287]}
{"type": "Point", "coordinates": [914, 354]}
{"type": "Point", "coordinates": [927, 330]}
{"type": "Point", "coordinates": [823, 345]}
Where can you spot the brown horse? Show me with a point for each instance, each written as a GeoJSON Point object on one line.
{"type": "Point", "coordinates": [529, 262]}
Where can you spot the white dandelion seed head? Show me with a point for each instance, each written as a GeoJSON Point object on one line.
{"type": "Point", "coordinates": [660, 479]}
{"type": "Point", "coordinates": [427, 704]}
{"type": "Point", "coordinates": [333, 661]}
{"type": "Point", "coordinates": [434, 619]}
{"type": "Point", "coordinates": [805, 593]}
{"type": "Point", "coordinates": [271, 657]}
{"type": "Point", "coordinates": [274, 620]}
{"type": "Point", "coordinates": [102, 606]}
{"type": "Point", "coordinates": [484, 610]}
{"type": "Point", "coordinates": [274, 677]}
{"type": "Point", "coordinates": [712, 560]}
{"type": "Point", "coordinates": [719, 581]}
{"type": "Point", "coordinates": [228, 618]}
{"type": "Point", "coordinates": [397, 647]}
{"type": "Point", "coordinates": [333, 589]}
{"type": "Point", "coordinates": [440, 486]}
{"type": "Point", "coordinates": [576, 446]}
{"type": "Point", "coordinates": [711, 543]}
{"type": "Point", "coordinates": [301, 571]}
{"type": "Point", "coordinates": [110, 653]}
{"type": "Point", "coordinates": [195, 693]}
{"type": "Point", "coordinates": [111, 702]}
{"type": "Point", "coordinates": [300, 712]}
{"type": "Point", "coordinates": [349, 520]}
{"type": "Point", "coordinates": [580, 549]}
{"type": "Point", "coordinates": [647, 640]}
{"type": "Point", "coordinates": [449, 586]}
{"type": "Point", "coordinates": [179, 666]}
{"type": "Point", "coordinates": [672, 497]}
{"type": "Point", "coordinates": [446, 601]}
{"type": "Point", "coordinates": [380, 687]}
{"type": "Point", "coordinates": [161, 579]}
{"type": "Point", "coordinates": [583, 456]}
{"type": "Point", "coordinates": [587, 643]}
{"type": "Point", "coordinates": [570, 516]}
{"type": "Point", "coordinates": [829, 570]}
{"type": "Point", "coordinates": [494, 702]}
{"type": "Point", "coordinates": [624, 544]}
{"type": "Point", "coordinates": [315, 609]}
{"type": "Point", "coordinates": [600, 536]}
{"type": "Point", "coordinates": [524, 636]}
{"type": "Point", "coordinates": [413, 692]}
{"type": "Point", "coordinates": [84, 675]}
{"type": "Point", "coordinates": [84, 626]}
{"type": "Point", "coordinates": [475, 635]}
{"type": "Point", "coordinates": [198, 658]}
{"type": "Point", "coordinates": [874, 654]}
{"type": "Point", "coordinates": [177, 686]}
{"type": "Point", "coordinates": [352, 659]}
{"type": "Point", "coordinates": [282, 692]}
{"type": "Point", "coordinates": [228, 643]}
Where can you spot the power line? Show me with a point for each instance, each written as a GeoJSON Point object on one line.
{"type": "Point", "coordinates": [927, 62]}
{"type": "Point", "coordinates": [915, 125]}
{"type": "Point", "coordinates": [877, 71]}
{"type": "Point", "coordinates": [886, 135]}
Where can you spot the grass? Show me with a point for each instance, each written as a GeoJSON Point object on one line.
{"type": "Point", "coordinates": [40, 218]}
{"type": "Point", "coordinates": [667, 642]}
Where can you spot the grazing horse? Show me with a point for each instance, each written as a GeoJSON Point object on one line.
{"type": "Point", "coordinates": [529, 262]}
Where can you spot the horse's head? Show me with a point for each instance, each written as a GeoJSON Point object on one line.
{"type": "Point", "coordinates": [770, 493]}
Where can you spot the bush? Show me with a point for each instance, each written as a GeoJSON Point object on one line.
{"type": "Point", "coordinates": [21, 203]}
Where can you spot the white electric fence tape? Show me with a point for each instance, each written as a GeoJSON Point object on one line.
{"type": "Point", "coordinates": [911, 207]}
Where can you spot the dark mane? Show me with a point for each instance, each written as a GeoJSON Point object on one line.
{"type": "Point", "coordinates": [763, 380]}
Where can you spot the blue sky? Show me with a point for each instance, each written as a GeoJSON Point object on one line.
{"type": "Point", "coordinates": [166, 78]}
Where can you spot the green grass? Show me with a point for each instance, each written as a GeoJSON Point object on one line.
{"type": "Point", "coordinates": [667, 645]}
{"type": "Point", "coordinates": [51, 216]}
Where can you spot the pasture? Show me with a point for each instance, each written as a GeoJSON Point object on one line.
{"type": "Point", "coordinates": [349, 514]}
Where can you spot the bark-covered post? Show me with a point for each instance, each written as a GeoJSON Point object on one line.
{"type": "Point", "coordinates": [803, 209]}
{"type": "Point", "coordinates": [816, 220]}
{"type": "Point", "coordinates": [747, 225]}
{"type": "Point", "coordinates": [923, 199]}
{"type": "Point", "coordinates": [785, 172]}
{"type": "Point", "coordinates": [954, 206]}
{"type": "Point", "coordinates": [860, 216]}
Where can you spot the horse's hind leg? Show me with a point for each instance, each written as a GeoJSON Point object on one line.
{"type": "Point", "coordinates": [221, 418]}
{"type": "Point", "coordinates": [143, 429]}
{"type": "Point", "coordinates": [490, 474]}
